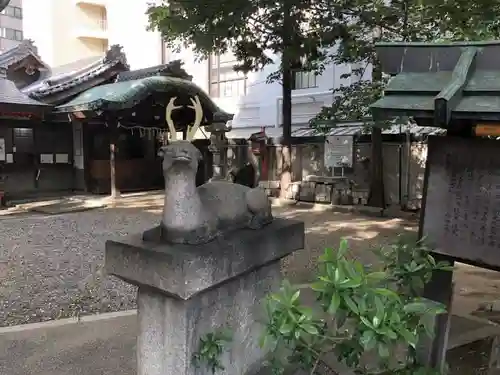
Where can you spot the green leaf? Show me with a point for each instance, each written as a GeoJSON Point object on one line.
{"type": "Point", "coordinates": [263, 340]}
{"type": "Point", "coordinates": [380, 310]}
{"type": "Point", "coordinates": [309, 328]}
{"type": "Point", "coordinates": [368, 340]}
{"type": "Point", "coordinates": [306, 312]}
{"type": "Point", "coordinates": [339, 275]}
{"type": "Point", "coordinates": [328, 255]}
{"type": "Point", "coordinates": [427, 321]}
{"type": "Point", "coordinates": [318, 286]}
{"type": "Point", "coordinates": [350, 284]}
{"type": "Point", "coordinates": [376, 276]}
{"type": "Point", "coordinates": [286, 329]}
{"type": "Point", "coordinates": [343, 247]}
{"type": "Point", "coordinates": [351, 304]}
{"type": "Point", "coordinates": [366, 322]}
{"type": "Point", "coordinates": [334, 303]}
{"type": "Point", "coordinates": [416, 307]}
{"type": "Point", "coordinates": [295, 296]}
{"type": "Point", "coordinates": [410, 338]}
{"type": "Point", "coordinates": [383, 350]}
{"type": "Point", "coordinates": [387, 293]}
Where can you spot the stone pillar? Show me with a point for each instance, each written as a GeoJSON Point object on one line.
{"type": "Point", "coordinates": [188, 291]}
{"type": "Point", "coordinates": [218, 143]}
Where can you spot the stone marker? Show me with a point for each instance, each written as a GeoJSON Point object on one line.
{"type": "Point", "coordinates": [201, 271]}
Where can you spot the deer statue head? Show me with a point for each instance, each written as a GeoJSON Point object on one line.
{"type": "Point", "coordinates": [182, 154]}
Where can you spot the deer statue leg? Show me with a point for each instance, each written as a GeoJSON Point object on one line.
{"type": "Point", "coordinates": [259, 207]}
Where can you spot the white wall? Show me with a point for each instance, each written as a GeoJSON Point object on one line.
{"type": "Point", "coordinates": [54, 26]}
{"type": "Point", "coordinates": [261, 106]}
{"type": "Point", "coordinates": [127, 27]}
{"type": "Point", "coordinates": [37, 16]}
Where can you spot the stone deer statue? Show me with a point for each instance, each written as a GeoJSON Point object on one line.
{"type": "Point", "coordinates": [196, 215]}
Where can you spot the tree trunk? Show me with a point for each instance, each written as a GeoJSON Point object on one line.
{"type": "Point", "coordinates": [377, 193]}
{"type": "Point", "coordinates": [286, 143]}
{"type": "Point", "coordinates": [376, 197]}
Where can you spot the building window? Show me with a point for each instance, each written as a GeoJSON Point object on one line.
{"type": "Point", "coordinates": [11, 34]}
{"type": "Point", "coordinates": [12, 11]}
{"type": "Point", "coordinates": [224, 81]}
{"type": "Point", "coordinates": [303, 80]}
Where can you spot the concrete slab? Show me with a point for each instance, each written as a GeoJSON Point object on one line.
{"type": "Point", "coordinates": [101, 347]}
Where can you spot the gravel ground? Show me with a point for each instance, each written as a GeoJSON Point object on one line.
{"type": "Point", "coordinates": [54, 264]}
{"type": "Point", "coordinates": [51, 267]}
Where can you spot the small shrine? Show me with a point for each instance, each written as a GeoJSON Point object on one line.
{"type": "Point", "coordinates": [456, 87]}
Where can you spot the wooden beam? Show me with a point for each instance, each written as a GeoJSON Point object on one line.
{"type": "Point", "coordinates": [112, 123]}
{"type": "Point", "coordinates": [450, 96]}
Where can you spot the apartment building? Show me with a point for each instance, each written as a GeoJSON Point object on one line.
{"type": "Point", "coordinates": [68, 30]}
{"type": "Point", "coordinates": [11, 25]}
{"type": "Point", "coordinates": [255, 102]}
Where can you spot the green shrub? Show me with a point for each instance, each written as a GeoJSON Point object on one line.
{"type": "Point", "coordinates": [364, 315]}
{"type": "Point", "coordinates": [362, 312]}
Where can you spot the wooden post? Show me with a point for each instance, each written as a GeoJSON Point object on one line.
{"type": "Point", "coordinates": [432, 351]}
{"type": "Point", "coordinates": [113, 138]}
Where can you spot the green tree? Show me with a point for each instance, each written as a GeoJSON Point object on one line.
{"type": "Point", "coordinates": [368, 22]}
{"type": "Point", "coordinates": [258, 33]}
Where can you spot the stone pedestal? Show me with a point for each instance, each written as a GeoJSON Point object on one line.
{"type": "Point", "coordinates": [187, 291]}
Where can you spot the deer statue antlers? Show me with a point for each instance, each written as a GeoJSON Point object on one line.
{"type": "Point", "coordinates": [192, 129]}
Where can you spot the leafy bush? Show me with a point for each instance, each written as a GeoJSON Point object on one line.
{"type": "Point", "coordinates": [364, 315]}
{"type": "Point", "coordinates": [211, 347]}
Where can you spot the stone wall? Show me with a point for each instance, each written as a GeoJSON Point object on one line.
{"type": "Point", "coordinates": [308, 166]}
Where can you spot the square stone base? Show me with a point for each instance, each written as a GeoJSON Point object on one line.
{"type": "Point", "coordinates": [188, 291]}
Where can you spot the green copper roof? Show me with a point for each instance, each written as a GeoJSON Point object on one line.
{"type": "Point", "coordinates": [124, 95]}
{"type": "Point", "coordinates": [443, 82]}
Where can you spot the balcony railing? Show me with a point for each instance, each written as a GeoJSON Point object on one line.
{"type": "Point", "coordinates": [100, 3]}
{"type": "Point", "coordinates": [95, 25]}
{"type": "Point", "coordinates": [90, 28]}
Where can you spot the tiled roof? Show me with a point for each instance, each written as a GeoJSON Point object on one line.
{"type": "Point", "coordinates": [127, 94]}
{"type": "Point", "coordinates": [11, 99]}
{"type": "Point", "coordinates": [359, 129]}
{"type": "Point", "coordinates": [21, 51]}
{"type": "Point", "coordinates": [172, 69]}
{"type": "Point", "coordinates": [442, 83]}
{"type": "Point", "coordinates": [74, 74]}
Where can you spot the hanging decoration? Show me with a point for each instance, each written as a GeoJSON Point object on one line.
{"type": "Point", "coordinates": [150, 132]}
{"type": "Point", "coordinates": [162, 134]}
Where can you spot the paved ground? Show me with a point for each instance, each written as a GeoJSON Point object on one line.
{"type": "Point", "coordinates": [98, 348]}
{"type": "Point", "coordinates": [107, 347]}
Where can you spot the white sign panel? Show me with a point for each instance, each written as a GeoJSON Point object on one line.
{"type": "Point", "coordinates": [339, 151]}
{"type": "Point", "coordinates": [62, 158]}
{"type": "Point", "coordinates": [46, 159]}
{"type": "Point", "coordinates": [2, 149]}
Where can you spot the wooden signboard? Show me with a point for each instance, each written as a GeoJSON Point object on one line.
{"type": "Point", "coordinates": [461, 213]}
{"type": "Point", "coordinates": [339, 151]}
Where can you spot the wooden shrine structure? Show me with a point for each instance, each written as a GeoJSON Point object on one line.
{"type": "Point", "coordinates": [130, 114]}
{"type": "Point", "coordinates": [456, 87]}
{"type": "Point", "coordinates": [93, 125]}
